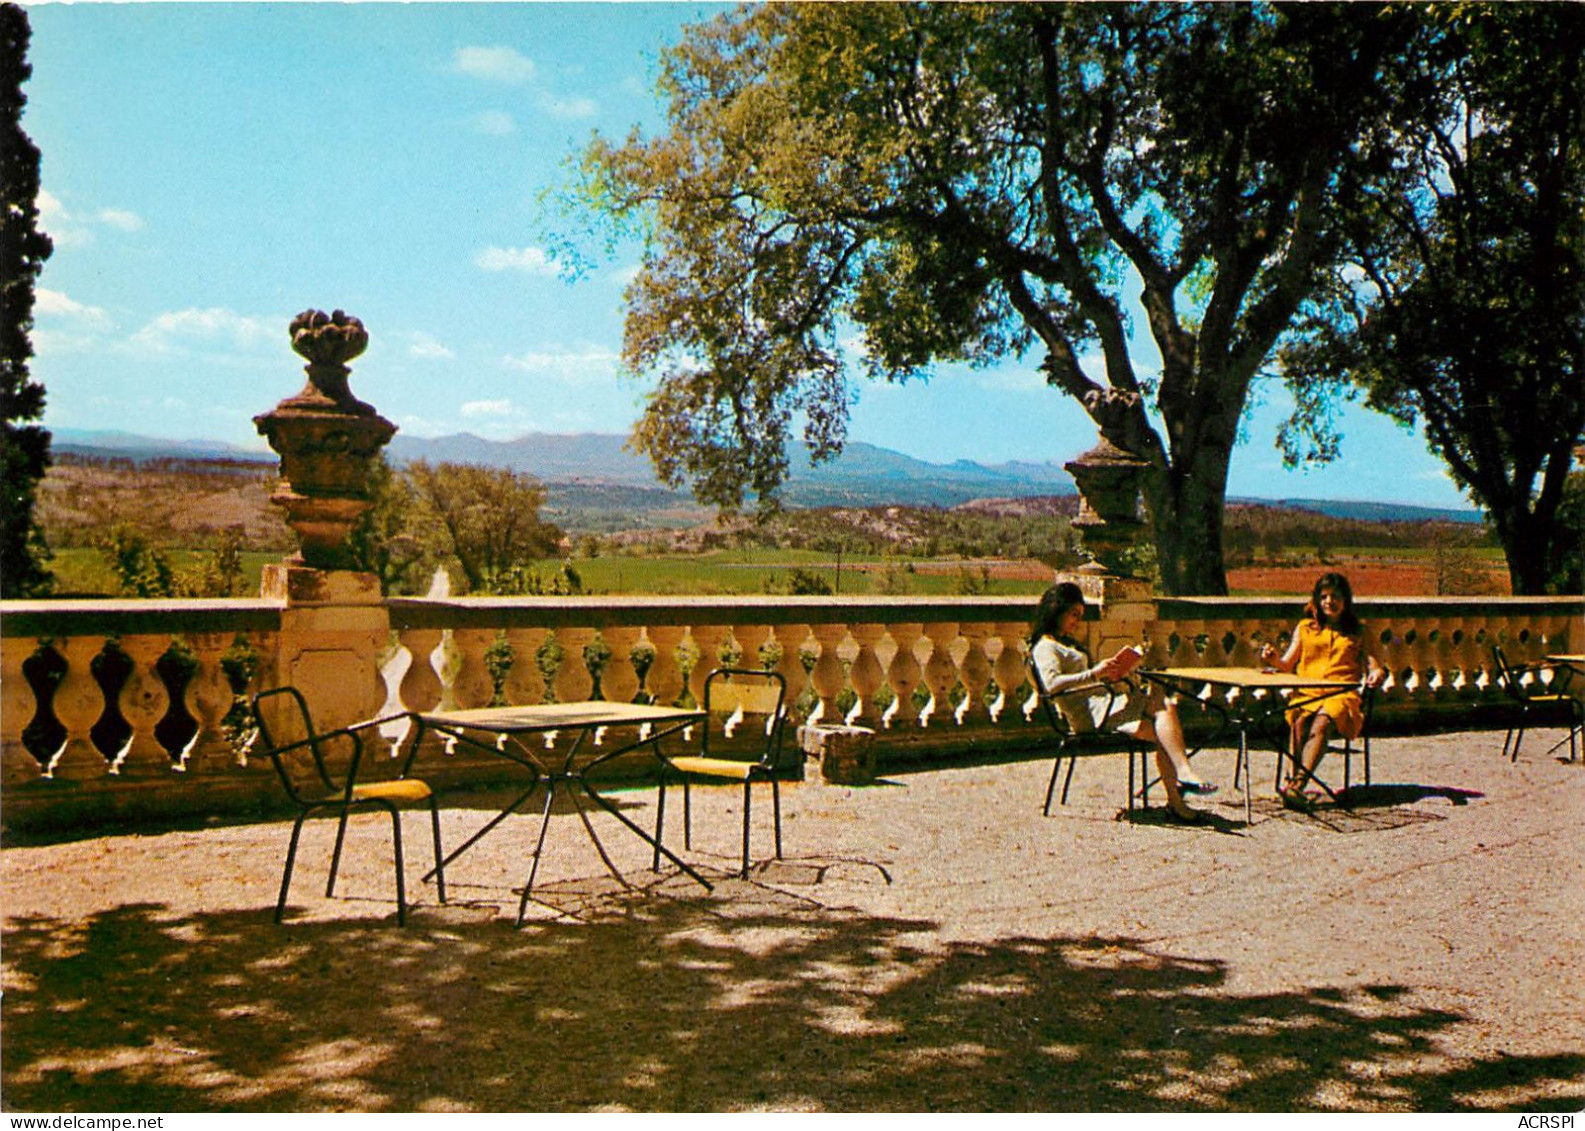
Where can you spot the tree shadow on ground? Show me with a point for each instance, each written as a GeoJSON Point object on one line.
{"type": "Point", "coordinates": [753, 998]}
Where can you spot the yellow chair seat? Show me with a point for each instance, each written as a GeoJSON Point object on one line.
{"type": "Point", "coordinates": [405, 789]}
{"type": "Point", "coordinates": [715, 767]}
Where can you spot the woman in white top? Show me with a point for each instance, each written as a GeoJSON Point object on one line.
{"type": "Point", "coordinates": [1079, 689]}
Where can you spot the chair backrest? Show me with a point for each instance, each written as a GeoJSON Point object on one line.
{"type": "Point", "coordinates": [291, 715]}
{"type": "Point", "coordinates": [1058, 721]}
{"type": "Point", "coordinates": [1507, 677]}
{"type": "Point", "coordinates": [751, 700]}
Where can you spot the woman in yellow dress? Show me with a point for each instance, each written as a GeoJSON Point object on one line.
{"type": "Point", "coordinates": [1328, 644]}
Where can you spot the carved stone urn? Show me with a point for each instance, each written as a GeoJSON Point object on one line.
{"type": "Point", "coordinates": [327, 440]}
{"type": "Point", "coordinates": [1108, 481]}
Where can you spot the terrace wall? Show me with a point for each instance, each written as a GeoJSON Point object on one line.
{"type": "Point", "coordinates": [124, 708]}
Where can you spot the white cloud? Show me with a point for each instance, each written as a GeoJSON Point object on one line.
{"type": "Point", "coordinates": [493, 123]}
{"type": "Point", "coordinates": [56, 304]}
{"type": "Point", "coordinates": [571, 109]}
{"type": "Point", "coordinates": [529, 260]}
{"type": "Point", "coordinates": [49, 206]}
{"type": "Point", "coordinates": [426, 346]}
{"type": "Point", "coordinates": [214, 327]}
{"type": "Point", "coordinates": [578, 366]}
{"type": "Point", "coordinates": [120, 219]}
{"type": "Point", "coordinates": [494, 64]}
{"type": "Point", "coordinates": [70, 229]}
{"type": "Point", "coordinates": [487, 408]}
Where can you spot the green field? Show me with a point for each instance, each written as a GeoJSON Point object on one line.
{"type": "Point", "coordinates": [771, 571]}
{"type": "Point", "coordinates": [83, 572]}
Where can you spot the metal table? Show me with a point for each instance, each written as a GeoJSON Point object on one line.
{"type": "Point", "coordinates": [1248, 708]}
{"type": "Point", "coordinates": [502, 730]}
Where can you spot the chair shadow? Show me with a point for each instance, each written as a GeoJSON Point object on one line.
{"type": "Point", "coordinates": [1380, 795]}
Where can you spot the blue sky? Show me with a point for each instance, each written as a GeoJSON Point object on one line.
{"type": "Point", "coordinates": [209, 170]}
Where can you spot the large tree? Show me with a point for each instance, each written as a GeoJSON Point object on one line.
{"type": "Point", "coordinates": [973, 182]}
{"type": "Point", "coordinates": [1461, 303]}
{"type": "Point", "coordinates": [25, 452]}
{"type": "Point", "coordinates": [485, 519]}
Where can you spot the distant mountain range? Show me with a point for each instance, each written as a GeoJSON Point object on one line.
{"type": "Point", "coordinates": [588, 464]}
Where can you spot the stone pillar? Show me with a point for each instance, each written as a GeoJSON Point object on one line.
{"type": "Point", "coordinates": [1108, 482]}
{"type": "Point", "coordinates": [334, 623]}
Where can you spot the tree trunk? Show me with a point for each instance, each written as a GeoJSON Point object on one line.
{"type": "Point", "coordinates": [1186, 508]}
{"type": "Point", "coordinates": [1526, 541]}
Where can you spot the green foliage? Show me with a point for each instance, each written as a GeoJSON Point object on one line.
{"type": "Point", "coordinates": [1458, 305]}
{"type": "Point", "coordinates": [140, 569]}
{"type": "Point", "coordinates": [481, 524]}
{"type": "Point", "coordinates": [804, 583]}
{"type": "Point", "coordinates": [24, 447]}
{"type": "Point", "coordinates": [972, 582]}
{"type": "Point", "coordinates": [969, 182]}
{"type": "Point", "coordinates": [218, 573]}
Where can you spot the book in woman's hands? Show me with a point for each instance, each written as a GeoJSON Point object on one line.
{"type": "Point", "coordinates": [1127, 659]}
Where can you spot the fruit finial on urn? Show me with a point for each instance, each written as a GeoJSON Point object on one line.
{"type": "Point", "coordinates": [327, 440]}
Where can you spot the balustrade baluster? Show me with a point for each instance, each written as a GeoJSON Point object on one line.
{"type": "Point", "coordinates": [573, 682]}
{"type": "Point", "coordinates": [941, 672]}
{"type": "Point", "coordinates": [209, 699]}
{"type": "Point", "coordinates": [663, 682]}
{"type": "Point", "coordinates": [1008, 669]}
{"type": "Point", "coordinates": [752, 639]}
{"type": "Point", "coordinates": [866, 675]}
{"type": "Point", "coordinates": [975, 672]}
{"type": "Point", "coordinates": [903, 673]}
{"type": "Point", "coordinates": [17, 707]}
{"type": "Point", "coordinates": [472, 685]}
{"type": "Point", "coordinates": [525, 683]}
{"type": "Point", "coordinates": [79, 703]}
{"type": "Point", "coordinates": [707, 641]}
{"type": "Point", "coordinates": [619, 679]}
{"type": "Point", "coordinates": [826, 679]}
{"type": "Point", "coordinates": [791, 639]}
{"type": "Point", "coordinates": [421, 688]}
{"type": "Point", "coordinates": [144, 699]}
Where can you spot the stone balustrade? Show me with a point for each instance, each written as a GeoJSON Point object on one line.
{"type": "Point", "coordinates": [125, 707]}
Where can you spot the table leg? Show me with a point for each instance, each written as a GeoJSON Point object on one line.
{"type": "Point", "coordinates": [644, 836]}
{"type": "Point", "coordinates": [494, 821]}
{"type": "Point", "coordinates": [1243, 762]}
{"type": "Point", "coordinates": [539, 847]}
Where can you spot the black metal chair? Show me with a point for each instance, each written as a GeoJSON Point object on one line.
{"type": "Point", "coordinates": [1534, 696]}
{"type": "Point", "coordinates": [1367, 695]}
{"type": "Point", "coordinates": [313, 783]}
{"type": "Point", "coordinates": [1072, 744]}
{"type": "Point", "coordinates": [735, 699]}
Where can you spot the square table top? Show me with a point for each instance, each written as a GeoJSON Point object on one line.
{"type": "Point", "coordinates": [1246, 677]}
{"type": "Point", "coordinates": [555, 716]}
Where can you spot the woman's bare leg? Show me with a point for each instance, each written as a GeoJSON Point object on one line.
{"type": "Point", "coordinates": [1315, 743]}
{"type": "Point", "coordinates": [1165, 765]}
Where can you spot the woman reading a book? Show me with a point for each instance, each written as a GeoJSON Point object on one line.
{"type": "Point", "coordinates": [1082, 690]}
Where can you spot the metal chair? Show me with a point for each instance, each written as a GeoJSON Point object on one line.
{"type": "Point", "coordinates": [1073, 744]}
{"type": "Point", "coordinates": [1367, 695]}
{"type": "Point", "coordinates": [735, 699]}
{"type": "Point", "coordinates": [1535, 696]}
{"type": "Point", "coordinates": [313, 783]}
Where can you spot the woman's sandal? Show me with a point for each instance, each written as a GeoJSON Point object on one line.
{"type": "Point", "coordinates": [1296, 799]}
{"type": "Point", "coordinates": [1185, 816]}
{"type": "Point", "coordinates": [1199, 788]}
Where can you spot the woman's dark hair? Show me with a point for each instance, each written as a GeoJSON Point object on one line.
{"type": "Point", "coordinates": [1347, 620]}
{"type": "Point", "coordinates": [1054, 602]}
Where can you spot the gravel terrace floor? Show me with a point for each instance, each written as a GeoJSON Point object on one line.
{"type": "Point", "coordinates": [930, 942]}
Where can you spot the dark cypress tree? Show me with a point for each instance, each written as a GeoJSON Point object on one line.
{"type": "Point", "coordinates": [25, 452]}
